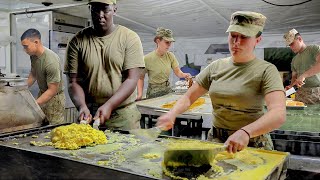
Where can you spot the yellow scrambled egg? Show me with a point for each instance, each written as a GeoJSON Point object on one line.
{"type": "Point", "coordinates": [197, 103]}
{"type": "Point", "coordinates": [74, 136]}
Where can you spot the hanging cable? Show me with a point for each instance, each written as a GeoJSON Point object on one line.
{"type": "Point", "coordinates": [286, 4]}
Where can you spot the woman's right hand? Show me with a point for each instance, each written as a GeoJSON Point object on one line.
{"type": "Point", "coordinates": [166, 121]}
{"type": "Point", "coordinates": [85, 114]}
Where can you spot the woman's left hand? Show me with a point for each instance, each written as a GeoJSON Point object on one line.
{"type": "Point", "coordinates": [237, 141]}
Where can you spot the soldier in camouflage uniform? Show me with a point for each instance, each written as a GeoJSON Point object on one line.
{"type": "Point", "coordinates": [46, 70]}
{"type": "Point", "coordinates": [239, 86]}
{"type": "Point", "coordinates": [103, 64]}
{"type": "Point", "coordinates": [305, 67]}
{"type": "Point", "coordinates": [158, 66]}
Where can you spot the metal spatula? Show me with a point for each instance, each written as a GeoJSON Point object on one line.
{"type": "Point", "coordinates": [192, 157]}
{"type": "Point", "coordinates": [146, 135]}
{"type": "Point", "coordinates": [95, 124]}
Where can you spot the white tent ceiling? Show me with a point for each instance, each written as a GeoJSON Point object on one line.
{"type": "Point", "coordinates": [190, 18]}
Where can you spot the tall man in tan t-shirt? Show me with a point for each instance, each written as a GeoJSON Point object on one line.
{"type": "Point", "coordinates": [46, 70]}
{"type": "Point", "coordinates": [103, 64]}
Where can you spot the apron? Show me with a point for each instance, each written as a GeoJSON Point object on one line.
{"type": "Point", "coordinates": [157, 90]}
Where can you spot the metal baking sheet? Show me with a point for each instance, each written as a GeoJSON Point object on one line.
{"type": "Point", "coordinates": [296, 107]}
{"type": "Point", "coordinates": [156, 103]}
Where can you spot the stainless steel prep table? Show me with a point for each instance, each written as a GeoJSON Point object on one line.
{"type": "Point", "coordinates": [199, 118]}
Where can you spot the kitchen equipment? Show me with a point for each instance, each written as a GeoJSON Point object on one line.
{"type": "Point", "coordinates": [96, 124]}
{"type": "Point", "coordinates": [146, 135]}
{"type": "Point", "coordinates": [123, 157]}
{"type": "Point", "coordinates": [195, 156]}
{"type": "Point", "coordinates": [18, 109]}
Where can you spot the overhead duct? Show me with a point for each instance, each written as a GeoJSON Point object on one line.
{"type": "Point", "coordinates": [218, 48]}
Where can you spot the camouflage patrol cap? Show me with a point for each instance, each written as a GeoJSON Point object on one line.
{"type": "Point", "coordinates": [290, 36]}
{"type": "Point", "coordinates": [103, 1]}
{"type": "Point", "coordinates": [166, 34]}
{"type": "Point", "coordinates": [247, 23]}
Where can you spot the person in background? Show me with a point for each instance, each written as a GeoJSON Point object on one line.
{"type": "Point", "coordinates": [305, 67]}
{"type": "Point", "coordinates": [239, 86]}
{"type": "Point", "coordinates": [103, 65]}
{"type": "Point", "coordinates": [46, 70]}
{"type": "Point", "coordinates": [158, 65]}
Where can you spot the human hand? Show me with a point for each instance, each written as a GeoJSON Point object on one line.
{"type": "Point", "coordinates": [237, 141]}
{"type": "Point", "coordinates": [139, 98]}
{"type": "Point", "coordinates": [85, 114]}
{"type": "Point", "coordinates": [287, 87]}
{"type": "Point", "coordinates": [166, 121]}
{"type": "Point", "coordinates": [300, 81]}
{"type": "Point", "coordinates": [104, 113]}
{"type": "Point", "coordinates": [187, 76]}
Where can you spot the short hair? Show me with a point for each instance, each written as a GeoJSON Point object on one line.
{"type": "Point", "coordinates": [259, 34]}
{"type": "Point", "coordinates": [157, 37]}
{"type": "Point", "coordinates": [296, 35]}
{"type": "Point", "coordinates": [31, 33]}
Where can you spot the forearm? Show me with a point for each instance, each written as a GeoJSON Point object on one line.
{"type": "Point", "coordinates": [312, 71]}
{"type": "Point", "coordinates": [46, 96]}
{"type": "Point", "coordinates": [77, 95]}
{"type": "Point", "coordinates": [177, 71]}
{"type": "Point", "coordinates": [30, 80]}
{"type": "Point", "coordinates": [268, 122]}
{"type": "Point", "coordinates": [140, 87]}
{"type": "Point", "coordinates": [271, 120]}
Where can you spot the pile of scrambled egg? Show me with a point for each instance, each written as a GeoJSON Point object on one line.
{"type": "Point", "coordinates": [74, 136]}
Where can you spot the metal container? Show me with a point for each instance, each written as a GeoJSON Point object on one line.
{"type": "Point", "coordinates": [18, 108]}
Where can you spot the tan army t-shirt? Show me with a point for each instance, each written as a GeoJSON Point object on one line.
{"type": "Point", "coordinates": [47, 69]}
{"type": "Point", "coordinates": [304, 61]}
{"type": "Point", "coordinates": [158, 68]}
{"type": "Point", "coordinates": [237, 90]}
{"type": "Point", "coordinates": [100, 62]}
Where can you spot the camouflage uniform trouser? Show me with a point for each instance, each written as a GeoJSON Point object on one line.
{"type": "Point", "coordinates": [220, 135]}
{"type": "Point", "coordinates": [308, 95]}
{"type": "Point", "coordinates": [157, 90]}
{"type": "Point", "coordinates": [54, 109]}
{"type": "Point", "coordinates": [123, 118]}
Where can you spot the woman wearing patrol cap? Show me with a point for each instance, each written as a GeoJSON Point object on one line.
{"type": "Point", "coordinates": [238, 87]}
{"type": "Point", "coordinates": [158, 65]}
